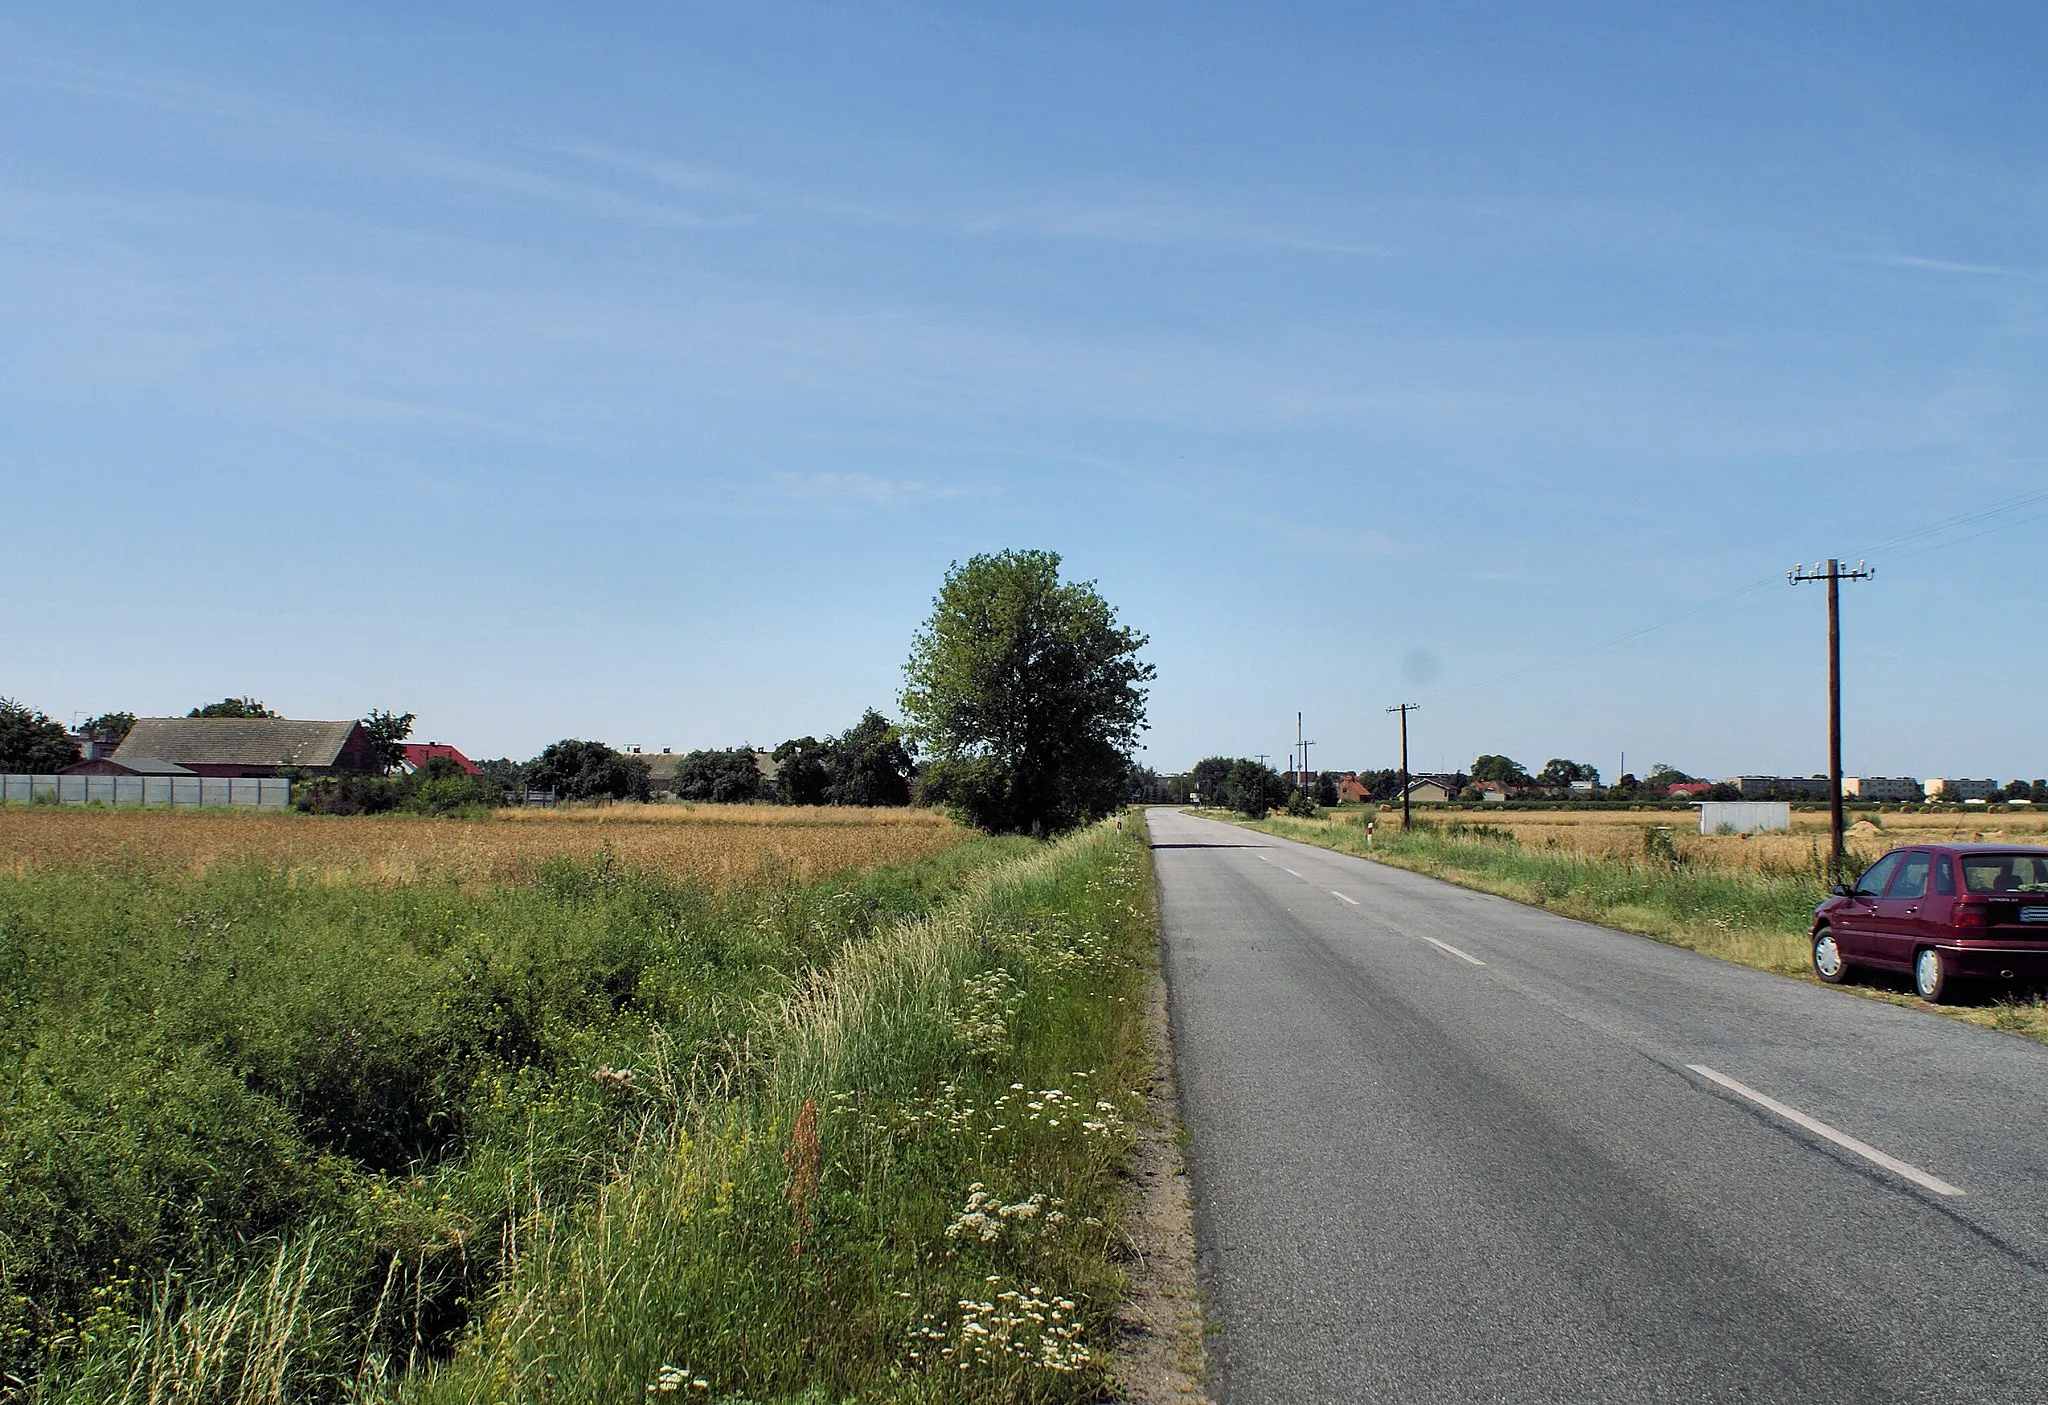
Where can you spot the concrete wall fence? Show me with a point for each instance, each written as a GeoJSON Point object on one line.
{"type": "Point", "coordinates": [185, 792]}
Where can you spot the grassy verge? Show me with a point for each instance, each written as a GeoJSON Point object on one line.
{"type": "Point", "coordinates": [917, 1203]}
{"type": "Point", "coordinates": [599, 1136]}
{"type": "Point", "coordinates": [1755, 918]}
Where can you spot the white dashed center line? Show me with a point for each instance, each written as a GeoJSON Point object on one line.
{"type": "Point", "coordinates": [1821, 1129]}
{"type": "Point", "coordinates": [1341, 898]}
{"type": "Point", "coordinates": [1446, 946]}
{"type": "Point", "coordinates": [1289, 870]}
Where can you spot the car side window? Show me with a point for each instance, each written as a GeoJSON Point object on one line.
{"type": "Point", "coordinates": [1912, 879]}
{"type": "Point", "coordinates": [1877, 875]}
{"type": "Point", "coordinates": [1945, 877]}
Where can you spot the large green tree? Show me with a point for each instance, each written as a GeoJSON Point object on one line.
{"type": "Point", "coordinates": [32, 743]}
{"type": "Point", "coordinates": [1500, 769]}
{"type": "Point", "coordinates": [869, 764]}
{"type": "Point", "coordinates": [1253, 788]}
{"type": "Point", "coordinates": [802, 771]}
{"type": "Point", "coordinates": [109, 727]}
{"type": "Point", "coordinates": [387, 732]}
{"type": "Point", "coordinates": [584, 770]}
{"type": "Point", "coordinates": [1558, 773]}
{"type": "Point", "coordinates": [724, 777]}
{"type": "Point", "coordinates": [1208, 777]}
{"type": "Point", "coordinates": [1026, 694]}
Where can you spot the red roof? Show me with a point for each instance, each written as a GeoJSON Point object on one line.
{"type": "Point", "coordinates": [1691, 788]}
{"type": "Point", "coordinates": [416, 754]}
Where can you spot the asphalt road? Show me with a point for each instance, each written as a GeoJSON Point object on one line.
{"type": "Point", "coordinates": [1449, 1148]}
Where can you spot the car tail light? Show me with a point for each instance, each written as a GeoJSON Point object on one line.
{"type": "Point", "coordinates": [1973, 913]}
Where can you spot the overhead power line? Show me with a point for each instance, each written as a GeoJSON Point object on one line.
{"type": "Point", "coordinates": [1756, 589]}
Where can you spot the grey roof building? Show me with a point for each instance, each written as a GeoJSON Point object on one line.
{"type": "Point", "coordinates": [134, 766]}
{"type": "Point", "coordinates": [250, 746]}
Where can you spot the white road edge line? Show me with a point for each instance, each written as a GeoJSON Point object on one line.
{"type": "Point", "coordinates": [1289, 870]}
{"type": "Point", "coordinates": [1821, 1129]}
{"type": "Point", "coordinates": [1341, 898]}
{"type": "Point", "coordinates": [1461, 955]}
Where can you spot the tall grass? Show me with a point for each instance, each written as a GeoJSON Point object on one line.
{"type": "Point", "coordinates": [1651, 885]}
{"type": "Point", "coordinates": [917, 1203]}
{"type": "Point", "coordinates": [597, 1136]}
{"type": "Point", "coordinates": [195, 1071]}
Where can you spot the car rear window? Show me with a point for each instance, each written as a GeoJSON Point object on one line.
{"type": "Point", "coordinates": [2005, 873]}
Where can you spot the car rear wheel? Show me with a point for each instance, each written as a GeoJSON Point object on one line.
{"type": "Point", "coordinates": [1930, 976]}
{"type": "Point", "coordinates": [1827, 958]}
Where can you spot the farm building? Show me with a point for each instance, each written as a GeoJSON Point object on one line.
{"type": "Point", "coordinates": [244, 747]}
{"type": "Point", "coordinates": [417, 754]}
{"type": "Point", "coordinates": [662, 767]}
{"type": "Point", "coordinates": [134, 766]}
{"type": "Point", "coordinates": [1351, 791]}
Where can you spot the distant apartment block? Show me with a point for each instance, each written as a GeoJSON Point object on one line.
{"type": "Point", "coordinates": [1761, 787]}
{"type": "Point", "coordinates": [1885, 789]}
{"type": "Point", "coordinates": [1959, 789]}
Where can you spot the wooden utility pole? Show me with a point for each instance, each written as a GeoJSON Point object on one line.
{"type": "Point", "coordinates": [1834, 576]}
{"type": "Point", "coordinates": [1404, 709]}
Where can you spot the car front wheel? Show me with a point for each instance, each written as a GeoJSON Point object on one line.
{"type": "Point", "coordinates": [1930, 976]}
{"type": "Point", "coordinates": [1827, 958]}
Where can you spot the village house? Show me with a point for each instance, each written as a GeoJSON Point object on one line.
{"type": "Point", "coordinates": [1430, 790]}
{"type": "Point", "coordinates": [418, 753]}
{"type": "Point", "coordinates": [238, 747]}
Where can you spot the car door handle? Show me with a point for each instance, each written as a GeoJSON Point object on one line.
{"type": "Point", "coordinates": [1911, 910]}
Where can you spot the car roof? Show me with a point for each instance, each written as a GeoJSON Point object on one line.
{"type": "Point", "coordinates": [1967, 849]}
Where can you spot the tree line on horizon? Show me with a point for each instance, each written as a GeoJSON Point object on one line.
{"type": "Point", "coordinates": [1023, 701]}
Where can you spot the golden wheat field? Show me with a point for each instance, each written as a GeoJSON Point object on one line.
{"type": "Point", "coordinates": [1618, 834]}
{"type": "Point", "coordinates": [717, 843]}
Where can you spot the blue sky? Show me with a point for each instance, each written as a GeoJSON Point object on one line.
{"type": "Point", "coordinates": [638, 375]}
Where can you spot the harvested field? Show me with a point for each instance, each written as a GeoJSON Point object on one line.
{"type": "Point", "coordinates": [712, 842]}
{"type": "Point", "coordinates": [757, 816]}
{"type": "Point", "coordinates": [1617, 836]}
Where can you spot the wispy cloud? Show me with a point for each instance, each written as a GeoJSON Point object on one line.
{"type": "Point", "coordinates": [867, 490]}
{"type": "Point", "coordinates": [1156, 217]}
{"type": "Point", "coordinates": [1952, 266]}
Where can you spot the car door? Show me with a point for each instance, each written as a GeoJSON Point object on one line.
{"type": "Point", "coordinates": [1895, 923]}
{"type": "Point", "coordinates": [1855, 921]}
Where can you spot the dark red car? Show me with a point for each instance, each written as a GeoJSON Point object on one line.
{"type": "Point", "coordinates": [1945, 913]}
